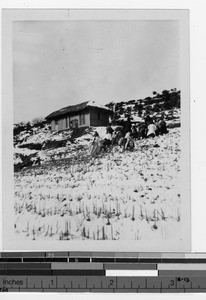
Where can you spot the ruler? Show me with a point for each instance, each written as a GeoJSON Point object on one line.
{"type": "Point", "coordinates": [102, 272]}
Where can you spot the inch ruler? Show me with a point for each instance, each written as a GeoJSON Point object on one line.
{"type": "Point", "coordinates": [102, 284]}
{"type": "Point", "coordinates": [102, 272]}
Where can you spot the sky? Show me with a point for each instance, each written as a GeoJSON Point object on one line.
{"type": "Point", "coordinates": [62, 63]}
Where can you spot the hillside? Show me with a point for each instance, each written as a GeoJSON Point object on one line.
{"type": "Point", "coordinates": [61, 193]}
{"type": "Point", "coordinates": [34, 145]}
{"type": "Point", "coordinates": [122, 195]}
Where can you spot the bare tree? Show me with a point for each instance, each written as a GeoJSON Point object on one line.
{"type": "Point", "coordinates": [37, 120]}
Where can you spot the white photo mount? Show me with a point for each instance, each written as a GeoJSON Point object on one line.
{"type": "Point", "coordinates": [182, 242]}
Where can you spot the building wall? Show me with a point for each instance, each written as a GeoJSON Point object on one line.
{"type": "Point", "coordinates": [68, 121]}
{"type": "Point", "coordinates": [98, 117]}
{"type": "Point", "coordinates": [53, 128]}
{"type": "Point", "coordinates": [65, 121]}
{"type": "Point", "coordinates": [87, 119]}
{"type": "Point", "coordinates": [92, 117]}
{"type": "Point", "coordinates": [60, 124]}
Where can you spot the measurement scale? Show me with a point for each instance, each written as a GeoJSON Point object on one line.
{"type": "Point", "coordinates": [102, 272]}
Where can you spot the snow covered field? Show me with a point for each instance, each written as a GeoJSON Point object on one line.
{"type": "Point", "coordinates": [120, 195]}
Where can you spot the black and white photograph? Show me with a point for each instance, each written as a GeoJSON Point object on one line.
{"type": "Point", "coordinates": [100, 148]}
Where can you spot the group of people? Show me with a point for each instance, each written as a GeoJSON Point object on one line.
{"type": "Point", "coordinates": [124, 136]}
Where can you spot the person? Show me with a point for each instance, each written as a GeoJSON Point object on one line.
{"type": "Point", "coordinates": [108, 137]}
{"type": "Point", "coordinates": [117, 134]}
{"type": "Point", "coordinates": [108, 140]}
{"type": "Point", "coordinates": [148, 120]}
{"type": "Point", "coordinates": [129, 143]}
{"type": "Point", "coordinates": [158, 125]}
{"type": "Point", "coordinates": [95, 147]}
{"type": "Point", "coordinates": [151, 130]}
{"type": "Point", "coordinates": [163, 127]}
{"type": "Point", "coordinates": [121, 142]}
{"type": "Point", "coordinates": [142, 131]}
{"type": "Point", "coordinates": [109, 129]}
{"type": "Point", "coordinates": [127, 125]}
{"type": "Point", "coordinates": [134, 132]}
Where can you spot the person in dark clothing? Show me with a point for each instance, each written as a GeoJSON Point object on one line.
{"type": "Point", "coordinates": [127, 125]}
{"type": "Point", "coordinates": [142, 131]}
{"type": "Point", "coordinates": [163, 127]}
{"type": "Point", "coordinates": [117, 134]}
{"type": "Point", "coordinates": [109, 129]}
{"type": "Point", "coordinates": [148, 120]}
{"type": "Point", "coordinates": [157, 131]}
{"type": "Point", "coordinates": [134, 132]}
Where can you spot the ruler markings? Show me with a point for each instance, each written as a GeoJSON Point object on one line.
{"type": "Point", "coordinates": [113, 282]}
{"type": "Point", "coordinates": [156, 290]}
{"type": "Point", "coordinates": [148, 290]}
{"type": "Point", "coordinates": [174, 274]}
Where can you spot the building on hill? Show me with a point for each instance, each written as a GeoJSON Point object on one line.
{"type": "Point", "coordinates": [84, 114]}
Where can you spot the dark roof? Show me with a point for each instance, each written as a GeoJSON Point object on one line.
{"type": "Point", "coordinates": [71, 109]}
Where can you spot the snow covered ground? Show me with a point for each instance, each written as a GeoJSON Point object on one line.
{"type": "Point", "coordinates": [120, 195]}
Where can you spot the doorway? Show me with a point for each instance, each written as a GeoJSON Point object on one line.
{"type": "Point", "coordinates": [74, 123]}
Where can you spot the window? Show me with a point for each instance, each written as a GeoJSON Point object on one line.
{"type": "Point", "coordinates": [82, 119]}
{"type": "Point", "coordinates": [74, 123]}
{"type": "Point", "coordinates": [98, 116]}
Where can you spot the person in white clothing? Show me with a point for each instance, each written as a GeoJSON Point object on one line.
{"type": "Point", "coordinates": [95, 146]}
{"type": "Point", "coordinates": [129, 143]}
{"type": "Point", "coordinates": [151, 130]}
{"type": "Point", "coordinates": [108, 136]}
